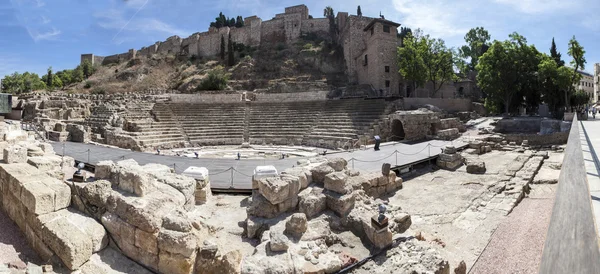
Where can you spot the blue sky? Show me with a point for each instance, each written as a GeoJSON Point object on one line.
{"type": "Point", "coordinates": [36, 34]}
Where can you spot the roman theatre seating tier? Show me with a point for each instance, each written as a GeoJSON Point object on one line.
{"type": "Point", "coordinates": [282, 123]}
{"type": "Point", "coordinates": [210, 124]}
{"type": "Point", "coordinates": [344, 121]}
{"type": "Point", "coordinates": [329, 124]}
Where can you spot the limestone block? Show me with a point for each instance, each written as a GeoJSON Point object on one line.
{"type": "Point", "coordinates": [60, 127]}
{"type": "Point", "coordinates": [135, 181]}
{"type": "Point", "coordinates": [39, 247]}
{"type": "Point", "coordinates": [449, 150]}
{"type": "Point", "coordinates": [146, 241]}
{"type": "Point", "coordinates": [475, 144]}
{"type": "Point", "coordinates": [279, 242]}
{"type": "Point", "coordinates": [37, 197]}
{"type": "Point", "coordinates": [93, 229]}
{"type": "Point", "coordinates": [449, 157]}
{"type": "Point", "coordinates": [45, 163]}
{"type": "Point", "coordinates": [337, 182]}
{"type": "Point", "coordinates": [312, 201]}
{"type": "Point", "coordinates": [177, 220]}
{"type": "Point", "coordinates": [319, 172]}
{"type": "Point", "coordinates": [175, 263]}
{"type": "Point", "coordinates": [476, 167]}
{"type": "Point", "coordinates": [58, 136]}
{"type": "Point", "coordinates": [379, 239]}
{"type": "Point", "coordinates": [338, 164]}
{"type": "Point", "coordinates": [104, 169]}
{"type": "Point", "coordinates": [145, 213]}
{"type": "Point", "coordinates": [71, 242]}
{"type": "Point", "coordinates": [274, 189]}
{"type": "Point", "coordinates": [303, 174]}
{"type": "Point", "coordinates": [261, 207]}
{"type": "Point", "coordinates": [109, 260]}
{"type": "Point", "coordinates": [185, 185]}
{"type": "Point", "coordinates": [202, 194]}
{"type": "Point", "coordinates": [47, 148]}
{"type": "Point", "coordinates": [175, 242]}
{"type": "Point", "coordinates": [340, 204]}
{"type": "Point", "coordinates": [296, 225]}
{"type": "Point", "coordinates": [15, 154]}
{"type": "Point", "coordinates": [403, 222]}
{"type": "Point", "coordinates": [33, 150]}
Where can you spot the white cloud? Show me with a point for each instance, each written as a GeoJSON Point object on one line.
{"type": "Point", "coordinates": [542, 6]}
{"type": "Point", "coordinates": [436, 17]}
{"type": "Point", "coordinates": [36, 35]}
{"type": "Point", "coordinates": [45, 20]}
{"type": "Point", "coordinates": [117, 20]}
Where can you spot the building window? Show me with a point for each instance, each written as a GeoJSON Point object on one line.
{"type": "Point", "coordinates": [366, 60]}
{"type": "Point", "coordinates": [387, 83]}
{"type": "Point", "coordinates": [387, 68]}
{"type": "Point", "coordinates": [386, 29]}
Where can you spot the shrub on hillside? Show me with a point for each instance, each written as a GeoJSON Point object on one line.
{"type": "Point", "coordinates": [88, 84]}
{"type": "Point", "coordinates": [215, 80]}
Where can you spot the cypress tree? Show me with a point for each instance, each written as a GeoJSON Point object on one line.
{"type": "Point", "coordinates": [358, 11]}
{"type": "Point", "coordinates": [222, 47]}
{"type": "Point", "coordinates": [556, 55]}
{"type": "Point", "coordinates": [230, 60]}
{"type": "Point", "coordinates": [49, 78]}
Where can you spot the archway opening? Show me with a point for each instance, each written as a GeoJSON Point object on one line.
{"type": "Point", "coordinates": [397, 130]}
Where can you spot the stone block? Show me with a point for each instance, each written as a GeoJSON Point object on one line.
{"type": "Point", "coordinates": [33, 151]}
{"type": "Point", "coordinates": [145, 213]}
{"type": "Point", "coordinates": [177, 220]}
{"type": "Point", "coordinates": [135, 181]}
{"type": "Point", "coordinates": [104, 170]}
{"type": "Point", "coordinates": [60, 127]}
{"type": "Point", "coordinates": [319, 172]}
{"type": "Point", "coordinates": [73, 245]}
{"type": "Point", "coordinates": [312, 202]}
{"type": "Point", "coordinates": [58, 136]}
{"type": "Point", "coordinates": [449, 157]}
{"type": "Point", "coordinates": [385, 169]}
{"type": "Point", "coordinates": [296, 225]}
{"type": "Point", "coordinates": [15, 154]}
{"type": "Point", "coordinates": [175, 263]}
{"type": "Point", "coordinates": [338, 164]}
{"type": "Point", "coordinates": [175, 242]}
{"type": "Point", "coordinates": [202, 194]}
{"type": "Point", "coordinates": [37, 197]}
{"type": "Point", "coordinates": [279, 242]}
{"type": "Point", "coordinates": [304, 175]}
{"type": "Point", "coordinates": [45, 163]}
{"type": "Point", "coordinates": [337, 182]}
{"type": "Point", "coordinates": [476, 167]}
{"type": "Point", "coordinates": [47, 148]}
{"type": "Point", "coordinates": [379, 238]}
{"type": "Point", "coordinates": [146, 241]}
{"type": "Point", "coordinates": [340, 204]}
{"type": "Point", "coordinates": [274, 189]}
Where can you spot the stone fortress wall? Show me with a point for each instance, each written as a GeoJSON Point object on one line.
{"type": "Point", "coordinates": [360, 37]}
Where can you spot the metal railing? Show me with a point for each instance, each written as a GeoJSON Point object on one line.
{"type": "Point", "coordinates": [572, 241]}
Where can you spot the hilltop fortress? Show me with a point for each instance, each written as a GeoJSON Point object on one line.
{"type": "Point", "coordinates": [369, 44]}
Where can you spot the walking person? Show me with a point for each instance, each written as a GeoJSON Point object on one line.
{"type": "Point", "coordinates": [377, 142]}
{"type": "Point", "coordinates": [594, 112]}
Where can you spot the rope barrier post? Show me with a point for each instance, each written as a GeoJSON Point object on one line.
{"type": "Point", "coordinates": [88, 151]}
{"type": "Point", "coordinates": [174, 168]}
{"type": "Point", "coordinates": [429, 149]}
{"type": "Point", "coordinates": [231, 177]}
{"type": "Point", "coordinates": [396, 152]}
{"type": "Point", "coordinates": [62, 157]}
{"type": "Point", "coordinates": [352, 163]}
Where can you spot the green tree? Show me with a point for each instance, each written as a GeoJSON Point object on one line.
{"type": "Point", "coordinates": [230, 57]}
{"type": "Point", "coordinates": [239, 22]}
{"type": "Point", "coordinates": [438, 62]}
{"type": "Point", "coordinates": [358, 11]}
{"type": "Point", "coordinates": [556, 55]}
{"type": "Point", "coordinates": [215, 80]}
{"type": "Point", "coordinates": [87, 68]}
{"type": "Point", "coordinates": [410, 61]}
{"type": "Point", "coordinates": [404, 31]}
{"type": "Point", "coordinates": [56, 81]}
{"type": "Point", "coordinates": [576, 52]}
{"type": "Point", "coordinates": [329, 14]}
{"type": "Point", "coordinates": [222, 52]}
{"type": "Point", "coordinates": [77, 74]}
{"type": "Point", "coordinates": [49, 78]}
{"type": "Point", "coordinates": [17, 83]}
{"type": "Point", "coordinates": [507, 72]}
{"type": "Point", "coordinates": [477, 44]}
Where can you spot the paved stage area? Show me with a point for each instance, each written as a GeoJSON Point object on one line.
{"type": "Point", "coordinates": [226, 173]}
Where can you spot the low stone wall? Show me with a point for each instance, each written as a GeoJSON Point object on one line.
{"type": "Point", "coordinates": [558, 138]}
{"type": "Point", "coordinates": [450, 105]}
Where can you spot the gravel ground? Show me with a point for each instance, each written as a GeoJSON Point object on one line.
{"type": "Point", "coordinates": [516, 246]}
{"type": "Point", "coordinates": [13, 245]}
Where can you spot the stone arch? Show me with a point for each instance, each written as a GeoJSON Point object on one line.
{"type": "Point", "coordinates": [397, 130]}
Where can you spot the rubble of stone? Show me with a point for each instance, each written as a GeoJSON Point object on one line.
{"type": "Point", "coordinates": [412, 256]}
{"type": "Point", "coordinates": [297, 242]}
